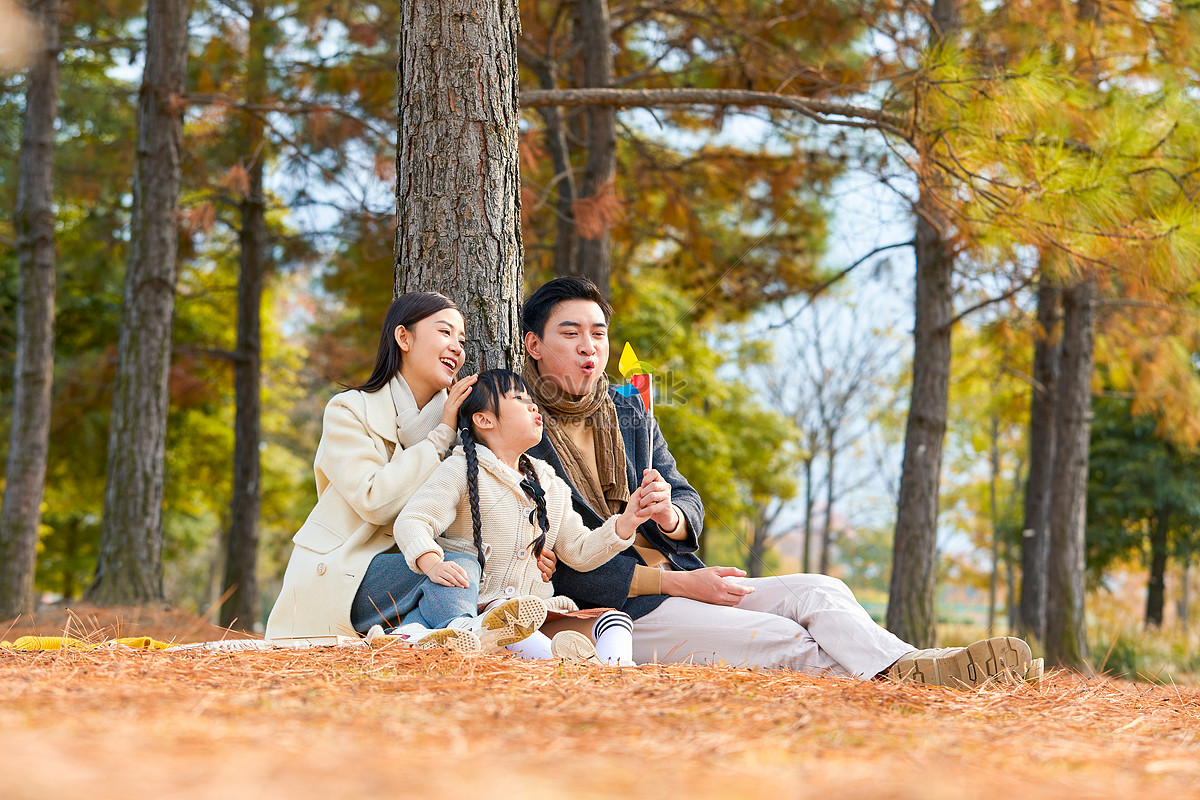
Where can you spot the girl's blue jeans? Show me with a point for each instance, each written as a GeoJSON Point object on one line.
{"type": "Point", "coordinates": [392, 595]}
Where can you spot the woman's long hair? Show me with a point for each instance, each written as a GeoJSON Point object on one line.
{"type": "Point", "coordinates": [485, 396]}
{"type": "Point", "coordinates": [407, 310]}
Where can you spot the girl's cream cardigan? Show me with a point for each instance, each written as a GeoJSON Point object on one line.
{"type": "Point", "coordinates": [443, 504]}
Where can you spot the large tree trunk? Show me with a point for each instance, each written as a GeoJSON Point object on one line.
{"type": "Point", "coordinates": [1035, 541]}
{"type": "Point", "coordinates": [458, 188]}
{"type": "Point", "coordinates": [911, 598]}
{"type": "Point", "coordinates": [29, 437]}
{"type": "Point", "coordinates": [1156, 587]}
{"type": "Point", "coordinates": [911, 614]}
{"type": "Point", "coordinates": [129, 568]}
{"type": "Point", "coordinates": [1066, 635]}
{"type": "Point", "coordinates": [241, 546]}
{"type": "Point", "coordinates": [594, 35]}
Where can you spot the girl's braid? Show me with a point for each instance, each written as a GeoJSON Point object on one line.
{"type": "Point", "coordinates": [473, 492]}
{"type": "Point", "coordinates": [535, 492]}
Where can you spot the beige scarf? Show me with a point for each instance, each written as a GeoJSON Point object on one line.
{"type": "Point", "coordinates": [609, 494]}
{"type": "Point", "coordinates": [414, 425]}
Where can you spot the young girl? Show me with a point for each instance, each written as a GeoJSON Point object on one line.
{"type": "Point", "coordinates": [490, 499]}
{"type": "Point", "coordinates": [379, 442]}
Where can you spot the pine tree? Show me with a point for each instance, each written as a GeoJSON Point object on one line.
{"type": "Point", "coordinates": [29, 437]}
{"type": "Point", "coordinates": [129, 568]}
{"type": "Point", "coordinates": [458, 187]}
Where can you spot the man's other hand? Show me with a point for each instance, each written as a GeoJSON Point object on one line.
{"type": "Point", "coordinates": [707, 585]}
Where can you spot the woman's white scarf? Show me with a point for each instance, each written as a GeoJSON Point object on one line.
{"type": "Point", "coordinates": [414, 425]}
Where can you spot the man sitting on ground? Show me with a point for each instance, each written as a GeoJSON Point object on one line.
{"type": "Point", "coordinates": [603, 444]}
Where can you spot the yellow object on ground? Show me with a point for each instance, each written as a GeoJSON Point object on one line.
{"type": "Point", "coordinates": [67, 643]}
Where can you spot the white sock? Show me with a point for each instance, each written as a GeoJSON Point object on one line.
{"type": "Point", "coordinates": [534, 648]}
{"type": "Point", "coordinates": [613, 635]}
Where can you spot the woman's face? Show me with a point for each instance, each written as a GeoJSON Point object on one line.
{"type": "Point", "coordinates": [432, 350]}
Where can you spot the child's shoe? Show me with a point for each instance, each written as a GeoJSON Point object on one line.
{"type": "Point", "coordinates": [505, 623]}
{"type": "Point", "coordinates": [419, 637]}
{"type": "Point", "coordinates": [574, 646]}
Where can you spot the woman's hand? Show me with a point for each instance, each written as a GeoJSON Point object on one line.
{"type": "Point", "coordinates": [454, 400]}
{"type": "Point", "coordinates": [633, 516]}
{"type": "Point", "coordinates": [443, 573]}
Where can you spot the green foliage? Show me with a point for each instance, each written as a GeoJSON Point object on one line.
{"type": "Point", "coordinates": [736, 453]}
{"type": "Point", "coordinates": [1134, 476]}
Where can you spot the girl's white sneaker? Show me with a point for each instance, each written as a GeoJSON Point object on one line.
{"type": "Point", "coordinates": [418, 636]}
{"type": "Point", "coordinates": [504, 623]}
{"type": "Point", "coordinates": [574, 646]}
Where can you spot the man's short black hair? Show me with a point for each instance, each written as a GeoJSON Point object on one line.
{"type": "Point", "coordinates": [540, 305]}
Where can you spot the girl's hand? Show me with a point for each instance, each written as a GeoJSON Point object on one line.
{"type": "Point", "coordinates": [547, 563]}
{"type": "Point", "coordinates": [633, 516]}
{"type": "Point", "coordinates": [445, 573]}
{"type": "Point", "coordinates": [454, 400]}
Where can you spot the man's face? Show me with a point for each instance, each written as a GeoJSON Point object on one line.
{"type": "Point", "coordinates": [573, 350]}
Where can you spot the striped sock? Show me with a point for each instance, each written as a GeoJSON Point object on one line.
{"type": "Point", "coordinates": [613, 635]}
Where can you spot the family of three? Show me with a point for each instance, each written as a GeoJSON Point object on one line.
{"type": "Point", "coordinates": [543, 513]}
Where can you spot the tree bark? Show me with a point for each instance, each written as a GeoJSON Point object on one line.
{"type": "Point", "coordinates": [593, 33]}
{"type": "Point", "coordinates": [1066, 635]}
{"type": "Point", "coordinates": [911, 613]}
{"type": "Point", "coordinates": [33, 372]}
{"type": "Point", "coordinates": [241, 546]}
{"type": "Point", "coordinates": [129, 568]}
{"type": "Point", "coordinates": [1156, 586]}
{"type": "Point", "coordinates": [1035, 539]}
{"type": "Point", "coordinates": [458, 187]}
{"type": "Point", "coordinates": [911, 598]}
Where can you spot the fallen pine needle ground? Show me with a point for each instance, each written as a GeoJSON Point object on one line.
{"type": "Point", "coordinates": [333, 723]}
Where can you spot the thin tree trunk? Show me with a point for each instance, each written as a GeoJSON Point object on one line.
{"type": "Point", "coordinates": [566, 244]}
{"type": "Point", "coordinates": [911, 598]}
{"type": "Point", "coordinates": [827, 528]}
{"type": "Point", "coordinates": [1156, 587]}
{"type": "Point", "coordinates": [1185, 568]}
{"type": "Point", "coordinates": [458, 187]}
{"type": "Point", "coordinates": [1066, 635]}
{"type": "Point", "coordinates": [129, 568]}
{"type": "Point", "coordinates": [808, 514]}
{"type": "Point", "coordinates": [33, 372]}
{"type": "Point", "coordinates": [1035, 539]}
{"type": "Point", "coordinates": [593, 33]}
{"type": "Point", "coordinates": [758, 546]}
{"type": "Point", "coordinates": [993, 479]}
{"type": "Point", "coordinates": [241, 553]}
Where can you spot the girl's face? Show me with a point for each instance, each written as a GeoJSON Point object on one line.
{"type": "Point", "coordinates": [433, 350]}
{"type": "Point", "coordinates": [515, 428]}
